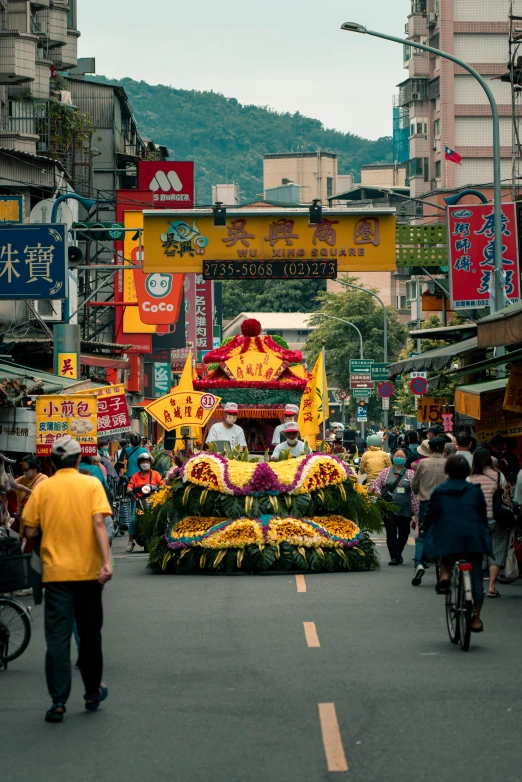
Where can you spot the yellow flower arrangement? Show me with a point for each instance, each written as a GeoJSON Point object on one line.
{"type": "Point", "coordinates": [159, 498]}
{"type": "Point", "coordinates": [338, 525]}
{"type": "Point", "coordinates": [192, 526]}
{"type": "Point", "coordinates": [242, 532]}
{"type": "Point", "coordinates": [240, 473]}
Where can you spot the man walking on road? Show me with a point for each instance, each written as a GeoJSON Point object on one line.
{"type": "Point", "coordinates": [69, 510]}
{"type": "Point", "coordinates": [428, 475]}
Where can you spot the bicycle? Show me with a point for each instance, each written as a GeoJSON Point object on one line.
{"type": "Point", "coordinates": [460, 608]}
{"type": "Point", "coordinates": [15, 617]}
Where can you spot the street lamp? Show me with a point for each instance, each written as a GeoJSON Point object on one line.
{"type": "Point", "coordinates": [341, 320]}
{"type": "Point", "coordinates": [385, 336]}
{"type": "Point", "coordinates": [496, 294]}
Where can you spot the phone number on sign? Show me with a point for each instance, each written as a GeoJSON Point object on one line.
{"type": "Point", "coordinates": [269, 270]}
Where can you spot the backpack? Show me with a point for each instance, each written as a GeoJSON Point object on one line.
{"type": "Point", "coordinates": [10, 547]}
{"type": "Point", "coordinates": [502, 511]}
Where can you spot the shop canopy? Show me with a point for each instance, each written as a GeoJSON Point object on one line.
{"type": "Point", "coordinates": [32, 381]}
{"type": "Point", "coordinates": [432, 360]}
{"type": "Point", "coordinates": [468, 399]}
{"type": "Point", "coordinates": [502, 328]}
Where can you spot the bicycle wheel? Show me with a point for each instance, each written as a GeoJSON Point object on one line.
{"type": "Point", "coordinates": [452, 617]}
{"type": "Point", "coordinates": [15, 629]}
{"type": "Point", "coordinates": [465, 617]}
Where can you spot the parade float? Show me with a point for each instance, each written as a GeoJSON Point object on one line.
{"type": "Point", "coordinates": [258, 372]}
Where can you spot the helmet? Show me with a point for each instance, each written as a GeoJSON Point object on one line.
{"type": "Point", "coordinates": [374, 440]}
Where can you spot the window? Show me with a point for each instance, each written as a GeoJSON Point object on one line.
{"type": "Point", "coordinates": [72, 15]}
{"type": "Point", "coordinates": [437, 169]}
{"type": "Point", "coordinates": [436, 128]}
{"type": "Point", "coordinates": [329, 186]}
{"type": "Point", "coordinates": [418, 167]}
{"type": "Point", "coordinates": [418, 6]}
{"type": "Point", "coordinates": [401, 302]}
{"type": "Point", "coordinates": [407, 53]}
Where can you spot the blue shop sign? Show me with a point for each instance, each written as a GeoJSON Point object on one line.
{"type": "Point", "coordinates": [33, 261]}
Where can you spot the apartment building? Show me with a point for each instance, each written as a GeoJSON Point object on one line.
{"type": "Point", "coordinates": [314, 172]}
{"type": "Point", "coordinates": [446, 105]}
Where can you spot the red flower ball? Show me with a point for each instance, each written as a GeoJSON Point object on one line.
{"type": "Point", "coordinates": [251, 327]}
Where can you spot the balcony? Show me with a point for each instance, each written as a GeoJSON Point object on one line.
{"type": "Point", "coordinates": [413, 90]}
{"type": "Point", "coordinates": [65, 57]}
{"type": "Point", "coordinates": [417, 25]}
{"type": "Point", "coordinates": [52, 22]}
{"type": "Point", "coordinates": [17, 57]}
{"type": "Point", "coordinates": [419, 64]}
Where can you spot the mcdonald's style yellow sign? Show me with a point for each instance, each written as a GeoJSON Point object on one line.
{"type": "Point", "coordinates": [269, 244]}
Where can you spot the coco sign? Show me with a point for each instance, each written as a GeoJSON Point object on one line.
{"type": "Point", "coordinates": [159, 296]}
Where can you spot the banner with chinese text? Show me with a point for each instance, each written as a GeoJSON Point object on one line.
{"type": "Point", "coordinates": [513, 396]}
{"type": "Point", "coordinates": [61, 414]}
{"type": "Point", "coordinates": [204, 313]}
{"type": "Point", "coordinates": [113, 411]}
{"type": "Point", "coordinates": [471, 237]}
{"type": "Point", "coordinates": [183, 408]}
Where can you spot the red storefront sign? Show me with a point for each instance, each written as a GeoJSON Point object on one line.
{"type": "Point", "coordinates": [204, 313]}
{"type": "Point", "coordinates": [471, 237]}
{"type": "Point", "coordinates": [171, 183]}
{"type": "Point", "coordinates": [113, 411]}
{"type": "Point", "coordinates": [159, 297]}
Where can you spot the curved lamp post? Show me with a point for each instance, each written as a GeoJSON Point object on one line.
{"type": "Point", "coordinates": [341, 320]}
{"type": "Point", "coordinates": [497, 292]}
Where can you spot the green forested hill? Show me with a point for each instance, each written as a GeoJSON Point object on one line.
{"type": "Point", "coordinates": [227, 140]}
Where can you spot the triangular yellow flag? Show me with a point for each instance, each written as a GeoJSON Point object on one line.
{"type": "Point", "coordinates": [185, 381]}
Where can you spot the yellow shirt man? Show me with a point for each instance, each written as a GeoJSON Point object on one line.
{"type": "Point", "coordinates": [63, 507]}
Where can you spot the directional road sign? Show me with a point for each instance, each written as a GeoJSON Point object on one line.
{"type": "Point", "coordinates": [379, 372]}
{"type": "Point", "coordinates": [361, 393]}
{"type": "Point", "coordinates": [361, 365]}
{"type": "Point", "coordinates": [362, 381]}
{"type": "Point", "coordinates": [385, 389]}
{"type": "Point", "coordinates": [419, 386]}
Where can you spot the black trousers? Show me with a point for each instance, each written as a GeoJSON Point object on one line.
{"type": "Point", "coordinates": [64, 602]}
{"type": "Point", "coordinates": [397, 533]}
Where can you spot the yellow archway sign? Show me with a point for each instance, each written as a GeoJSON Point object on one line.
{"type": "Point", "coordinates": [269, 244]}
{"type": "Point", "coordinates": [183, 408]}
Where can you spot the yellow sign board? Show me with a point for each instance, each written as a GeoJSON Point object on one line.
{"type": "Point", "coordinates": [183, 408]}
{"type": "Point", "coordinates": [59, 414]}
{"type": "Point", "coordinates": [252, 366]}
{"type": "Point", "coordinates": [182, 241]}
{"type": "Point", "coordinates": [68, 365]}
{"type": "Point", "coordinates": [430, 409]}
{"type": "Point", "coordinates": [513, 397]}
{"type": "Point", "coordinates": [132, 323]}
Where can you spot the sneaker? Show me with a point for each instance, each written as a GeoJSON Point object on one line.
{"type": "Point", "coordinates": [130, 547]}
{"type": "Point", "coordinates": [417, 578]}
{"type": "Point", "coordinates": [393, 562]}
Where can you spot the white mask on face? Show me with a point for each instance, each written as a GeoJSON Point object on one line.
{"type": "Point", "coordinates": [291, 442]}
{"type": "Point", "coordinates": [231, 419]}
{"type": "Point", "coordinates": [30, 473]}
{"type": "Point", "coordinates": [145, 466]}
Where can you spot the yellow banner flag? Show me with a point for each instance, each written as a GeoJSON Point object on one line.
{"type": "Point", "coordinates": [185, 381]}
{"type": "Point", "coordinates": [314, 408]}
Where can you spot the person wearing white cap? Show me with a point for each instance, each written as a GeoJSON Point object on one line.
{"type": "Point", "coordinates": [228, 431]}
{"type": "Point", "coordinates": [290, 414]}
{"type": "Point", "coordinates": [293, 444]}
{"type": "Point", "coordinates": [69, 510]}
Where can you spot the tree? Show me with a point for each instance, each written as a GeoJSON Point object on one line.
{"type": "Point", "coordinates": [342, 341]}
{"type": "Point", "coordinates": [270, 296]}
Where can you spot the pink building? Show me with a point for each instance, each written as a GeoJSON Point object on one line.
{"type": "Point", "coordinates": [446, 104]}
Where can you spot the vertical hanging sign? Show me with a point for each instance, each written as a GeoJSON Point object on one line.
{"type": "Point", "coordinates": [204, 314]}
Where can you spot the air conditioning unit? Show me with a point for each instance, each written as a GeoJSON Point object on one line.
{"type": "Point", "coordinates": [432, 20]}
{"type": "Point", "coordinates": [415, 96]}
{"type": "Point", "coordinates": [49, 309]}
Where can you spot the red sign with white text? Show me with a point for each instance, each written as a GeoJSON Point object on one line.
{"type": "Point", "coordinates": [171, 182]}
{"type": "Point", "coordinates": [159, 297]}
{"type": "Point", "coordinates": [471, 237]}
{"type": "Point", "coordinates": [204, 313]}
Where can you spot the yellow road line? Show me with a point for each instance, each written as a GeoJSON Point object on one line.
{"type": "Point", "coordinates": [333, 746]}
{"type": "Point", "coordinates": [312, 639]}
{"type": "Point", "coordinates": [301, 583]}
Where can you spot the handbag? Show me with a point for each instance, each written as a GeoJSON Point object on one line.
{"type": "Point", "coordinates": [502, 511]}
{"type": "Point", "coordinates": [389, 489]}
{"type": "Point", "coordinates": [511, 570]}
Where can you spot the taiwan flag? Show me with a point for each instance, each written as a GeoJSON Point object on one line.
{"type": "Point", "coordinates": [450, 154]}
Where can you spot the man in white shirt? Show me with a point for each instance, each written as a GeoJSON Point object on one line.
{"type": "Point", "coordinates": [228, 430]}
{"type": "Point", "coordinates": [290, 414]}
{"type": "Point", "coordinates": [293, 443]}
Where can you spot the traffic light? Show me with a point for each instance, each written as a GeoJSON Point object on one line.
{"type": "Point", "coordinates": [101, 231]}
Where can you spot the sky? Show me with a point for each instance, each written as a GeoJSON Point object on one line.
{"type": "Point", "coordinates": [289, 55]}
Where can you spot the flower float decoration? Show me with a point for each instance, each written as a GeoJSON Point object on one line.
{"type": "Point", "coordinates": [219, 514]}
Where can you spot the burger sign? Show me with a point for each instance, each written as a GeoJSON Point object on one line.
{"type": "Point", "coordinates": [171, 182]}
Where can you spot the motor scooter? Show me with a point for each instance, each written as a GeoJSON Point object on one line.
{"type": "Point", "coordinates": [142, 497]}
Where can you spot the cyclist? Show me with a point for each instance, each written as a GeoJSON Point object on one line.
{"type": "Point", "coordinates": [144, 476]}
{"type": "Point", "coordinates": [456, 527]}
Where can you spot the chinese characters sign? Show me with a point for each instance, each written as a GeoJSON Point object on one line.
{"type": "Point", "coordinates": [11, 209]}
{"type": "Point", "coordinates": [113, 411]}
{"type": "Point", "coordinates": [162, 379]}
{"type": "Point", "coordinates": [68, 365]}
{"type": "Point", "coordinates": [471, 238]}
{"type": "Point", "coordinates": [183, 408]}
{"type": "Point", "coordinates": [33, 262]}
{"type": "Point", "coordinates": [184, 243]}
{"type": "Point", "coordinates": [254, 366]}
{"type": "Point", "coordinates": [204, 313]}
{"type": "Point", "coordinates": [58, 415]}
{"type": "Point", "coordinates": [513, 397]}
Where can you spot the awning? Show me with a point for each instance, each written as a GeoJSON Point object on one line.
{"type": "Point", "coordinates": [502, 328]}
{"type": "Point", "coordinates": [434, 360]}
{"type": "Point", "coordinates": [468, 398]}
{"type": "Point", "coordinates": [90, 360]}
{"type": "Point", "coordinates": [37, 382]}
{"type": "Point", "coordinates": [448, 333]}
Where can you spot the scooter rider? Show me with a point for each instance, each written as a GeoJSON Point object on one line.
{"type": "Point", "coordinates": [145, 476]}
